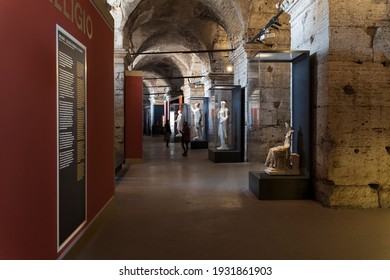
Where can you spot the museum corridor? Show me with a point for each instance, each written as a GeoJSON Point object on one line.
{"type": "Point", "coordinates": [304, 83]}
{"type": "Point", "coordinates": [175, 207]}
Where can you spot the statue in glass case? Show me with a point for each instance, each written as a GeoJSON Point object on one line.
{"type": "Point", "coordinates": [179, 123]}
{"type": "Point", "coordinates": [222, 116]}
{"type": "Point", "coordinates": [197, 121]}
{"type": "Point", "coordinates": [279, 159]}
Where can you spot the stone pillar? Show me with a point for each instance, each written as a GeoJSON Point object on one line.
{"type": "Point", "coordinates": [240, 59]}
{"type": "Point", "coordinates": [191, 90]}
{"type": "Point", "coordinates": [186, 91]}
{"type": "Point", "coordinates": [119, 69]}
{"type": "Point", "coordinates": [213, 79]}
{"type": "Point", "coordinates": [351, 81]}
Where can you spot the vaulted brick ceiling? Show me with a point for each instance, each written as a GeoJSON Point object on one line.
{"type": "Point", "coordinates": [186, 25]}
{"type": "Point", "coordinates": [190, 24]}
{"type": "Point", "coordinates": [180, 25]}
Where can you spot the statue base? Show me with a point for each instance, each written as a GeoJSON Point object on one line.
{"type": "Point", "coordinates": [285, 170]}
{"type": "Point", "coordinates": [225, 156]}
{"type": "Point", "coordinates": [199, 144]}
{"type": "Point", "coordinates": [223, 147]}
{"type": "Point", "coordinates": [266, 187]}
{"type": "Point", "coordinates": [282, 172]}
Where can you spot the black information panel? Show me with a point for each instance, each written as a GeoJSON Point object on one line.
{"type": "Point", "coordinates": [71, 133]}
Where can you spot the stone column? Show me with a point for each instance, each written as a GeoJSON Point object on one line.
{"type": "Point", "coordinates": [240, 59]}
{"type": "Point", "coordinates": [191, 90]}
{"type": "Point", "coordinates": [186, 92]}
{"type": "Point", "coordinates": [213, 79]}
{"type": "Point", "coordinates": [351, 81]}
{"type": "Point", "coordinates": [119, 69]}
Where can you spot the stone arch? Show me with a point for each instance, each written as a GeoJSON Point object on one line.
{"type": "Point", "coordinates": [177, 14]}
{"type": "Point", "coordinates": [178, 42]}
{"type": "Point", "coordinates": [163, 68]}
{"type": "Point", "coordinates": [186, 25]}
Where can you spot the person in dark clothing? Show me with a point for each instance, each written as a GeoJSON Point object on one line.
{"type": "Point", "coordinates": [167, 133]}
{"type": "Point", "coordinates": [186, 138]}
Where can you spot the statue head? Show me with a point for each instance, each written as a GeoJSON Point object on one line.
{"type": "Point", "coordinates": [287, 125]}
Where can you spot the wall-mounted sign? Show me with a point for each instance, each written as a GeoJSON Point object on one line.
{"type": "Point", "coordinates": [73, 11]}
{"type": "Point", "coordinates": [71, 136]}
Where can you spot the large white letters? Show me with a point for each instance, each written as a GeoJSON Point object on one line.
{"type": "Point", "coordinates": [73, 11]}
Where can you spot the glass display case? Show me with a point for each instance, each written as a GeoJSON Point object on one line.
{"type": "Point", "coordinates": [178, 114]}
{"type": "Point", "coordinates": [198, 122]}
{"type": "Point", "coordinates": [226, 143]}
{"type": "Point", "coordinates": [278, 124]}
{"type": "Point", "coordinates": [278, 91]}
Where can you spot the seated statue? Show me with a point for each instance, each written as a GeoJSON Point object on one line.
{"type": "Point", "coordinates": [279, 159]}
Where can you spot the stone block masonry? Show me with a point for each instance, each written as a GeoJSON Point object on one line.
{"type": "Point", "coordinates": [352, 83]}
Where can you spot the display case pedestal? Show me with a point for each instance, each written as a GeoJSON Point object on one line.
{"type": "Point", "coordinates": [199, 144]}
{"type": "Point", "coordinates": [274, 187]}
{"type": "Point", "coordinates": [224, 156]}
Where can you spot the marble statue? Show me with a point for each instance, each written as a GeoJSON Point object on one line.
{"type": "Point", "coordinates": [197, 121]}
{"type": "Point", "coordinates": [222, 116]}
{"type": "Point", "coordinates": [280, 161]}
{"type": "Point", "coordinates": [179, 123]}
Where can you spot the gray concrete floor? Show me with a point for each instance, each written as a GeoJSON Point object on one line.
{"type": "Point", "coordinates": [175, 207]}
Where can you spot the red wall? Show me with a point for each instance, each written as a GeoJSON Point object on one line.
{"type": "Point", "coordinates": [133, 115]}
{"type": "Point", "coordinates": [28, 156]}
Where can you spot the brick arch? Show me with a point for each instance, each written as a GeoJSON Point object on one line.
{"type": "Point", "coordinates": [156, 16]}
{"type": "Point", "coordinates": [185, 25]}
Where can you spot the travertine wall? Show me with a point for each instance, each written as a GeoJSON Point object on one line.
{"type": "Point", "coordinates": [351, 94]}
{"type": "Point", "coordinates": [119, 76]}
{"type": "Point", "coordinates": [268, 108]}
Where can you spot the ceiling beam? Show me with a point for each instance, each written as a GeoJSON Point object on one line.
{"type": "Point", "coordinates": [174, 78]}
{"type": "Point", "coordinates": [184, 52]}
